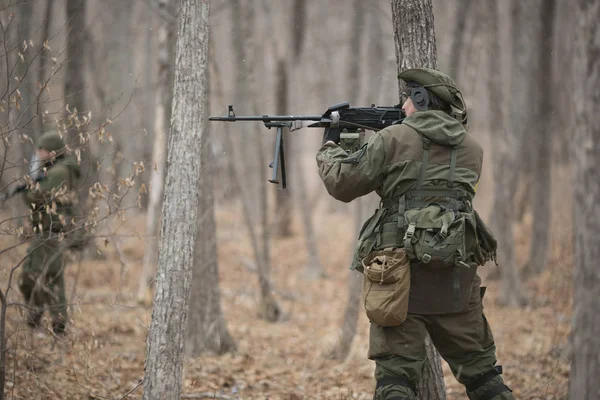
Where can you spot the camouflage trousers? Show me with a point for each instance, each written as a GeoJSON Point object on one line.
{"type": "Point", "coordinates": [42, 283]}
{"type": "Point", "coordinates": [463, 339]}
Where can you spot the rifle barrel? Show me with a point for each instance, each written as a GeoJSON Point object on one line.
{"type": "Point", "coordinates": [268, 118]}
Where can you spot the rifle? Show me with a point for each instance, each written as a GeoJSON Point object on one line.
{"type": "Point", "coordinates": [351, 122]}
{"type": "Point", "coordinates": [17, 189]}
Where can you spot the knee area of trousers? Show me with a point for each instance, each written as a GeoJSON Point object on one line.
{"type": "Point", "coordinates": [394, 388]}
{"type": "Point", "coordinates": [394, 392]}
{"type": "Point", "coordinates": [492, 389]}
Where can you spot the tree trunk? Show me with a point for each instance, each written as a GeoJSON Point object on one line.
{"type": "Point", "coordinates": [355, 280]}
{"type": "Point", "coordinates": [25, 72]}
{"type": "Point", "coordinates": [432, 383]}
{"type": "Point", "coordinates": [543, 129]}
{"type": "Point", "coordinates": [245, 49]}
{"type": "Point", "coordinates": [350, 321]}
{"type": "Point", "coordinates": [506, 143]}
{"type": "Point", "coordinates": [463, 7]}
{"type": "Point", "coordinates": [119, 89]}
{"type": "Point", "coordinates": [207, 331]}
{"type": "Point", "coordinates": [42, 98]}
{"type": "Point", "coordinates": [74, 86]}
{"type": "Point", "coordinates": [414, 36]}
{"type": "Point", "coordinates": [21, 115]}
{"type": "Point", "coordinates": [314, 268]}
{"type": "Point", "coordinates": [164, 97]}
{"type": "Point", "coordinates": [178, 234]}
{"type": "Point", "coordinates": [585, 333]}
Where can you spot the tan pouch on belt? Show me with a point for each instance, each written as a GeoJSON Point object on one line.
{"type": "Point", "coordinates": [386, 286]}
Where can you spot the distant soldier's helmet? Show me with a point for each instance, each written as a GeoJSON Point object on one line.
{"type": "Point", "coordinates": [51, 141]}
{"type": "Point", "coordinates": [438, 83]}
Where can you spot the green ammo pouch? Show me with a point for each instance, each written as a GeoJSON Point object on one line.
{"type": "Point", "coordinates": [436, 236]}
{"type": "Point", "coordinates": [487, 243]}
{"type": "Point", "coordinates": [367, 238]}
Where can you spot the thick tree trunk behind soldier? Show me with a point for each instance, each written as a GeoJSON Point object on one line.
{"type": "Point", "coordinates": [414, 35]}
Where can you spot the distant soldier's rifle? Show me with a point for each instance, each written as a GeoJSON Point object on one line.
{"type": "Point", "coordinates": [16, 190]}
{"type": "Point", "coordinates": [351, 122]}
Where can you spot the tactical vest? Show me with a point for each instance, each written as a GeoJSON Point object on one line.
{"type": "Point", "coordinates": [437, 227]}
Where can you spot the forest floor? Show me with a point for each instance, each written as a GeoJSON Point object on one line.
{"type": "Point", "coordinates": [103, 355]}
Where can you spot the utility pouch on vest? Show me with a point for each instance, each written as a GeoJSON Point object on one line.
{"type": "Point", "coordinates": [487, 243]}
{"type": "Point", "coordinates": [437, 237]}
{"type": "Point", "coordinates": [386, 286]}
{"type": "Point", "coordinates": [367, 238]}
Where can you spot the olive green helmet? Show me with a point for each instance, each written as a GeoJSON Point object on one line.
{"type": "Point", "coordinates": [51, 141]}
{"type": "Point", "coordinates": [439, 84]}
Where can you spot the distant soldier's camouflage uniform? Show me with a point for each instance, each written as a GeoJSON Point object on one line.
{"type": "Point", "coordinates": [51, 201]}
{"type": "Point", "coordinates": [444, 302]}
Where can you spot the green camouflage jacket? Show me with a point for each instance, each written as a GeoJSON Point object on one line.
{"type": "Point", "coordinates": [390, 164]}
{"type": "Point", "coordinates": [52, 199]}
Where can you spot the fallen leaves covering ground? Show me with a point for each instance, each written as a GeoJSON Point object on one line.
{"type": "Point", "coordinates": [103, 355]}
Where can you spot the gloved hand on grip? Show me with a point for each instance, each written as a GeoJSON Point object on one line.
{"type": "Point", "coordinates": [332, 134]}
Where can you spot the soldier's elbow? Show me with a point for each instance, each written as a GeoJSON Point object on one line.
{"type": "Point", "coordinates": [344, 196]}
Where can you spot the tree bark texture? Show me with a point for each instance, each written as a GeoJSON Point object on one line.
{"type": "Point", "coordinates": [432, 381]}
{"type": "Point", "coordinates": [543, 131]}
{"type": "Point", "coordinates": [414, 35]}
{"type": "Point", "coordinates": [164, 98]}
{"type": "Point", "coordinates": [585, 333]}
{"type": "Point", "coordinates": [165, 349]}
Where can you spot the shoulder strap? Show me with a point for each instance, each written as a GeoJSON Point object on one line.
{"type": "Point", "coordinates": [424, 161]}
{"type": "Point", "coordinates": [452, 167]}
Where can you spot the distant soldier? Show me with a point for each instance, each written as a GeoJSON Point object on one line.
{"type": "Point", "coordinates": [51, 200]}
{"type": "Point", "coordinates": [420, 250]}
